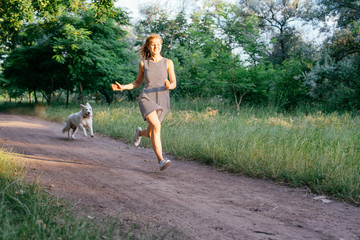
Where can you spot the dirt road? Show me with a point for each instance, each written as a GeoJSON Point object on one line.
{"type": "Point", "coordinates": [195, 201]}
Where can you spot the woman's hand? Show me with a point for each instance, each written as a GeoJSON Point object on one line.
{"type": "Point", "coordinates": [117, 87]}
{"type": "Point", "coordinates": [167, 83]}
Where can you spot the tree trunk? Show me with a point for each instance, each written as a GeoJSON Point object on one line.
{"type": "Point", "coordinates": [36, 100]}
{"type": "Point", "coordinates": [81, 92]}
{"type": "Point", "coordinates": [51, 91]}
{"type": "Point", "coordinates": [108, 97]}
{"type": "Point", "coordinates": [234, 89]}
{"type": "Point", "coordinates": [67, 97]}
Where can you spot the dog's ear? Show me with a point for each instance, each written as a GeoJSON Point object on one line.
{"type": "Point", "coordinates": [82, 106]}
{"type": "Point", "coordinates": [88, 104]}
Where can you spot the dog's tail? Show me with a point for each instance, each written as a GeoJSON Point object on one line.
{"type": "Point", "coordinates": [66, 128]}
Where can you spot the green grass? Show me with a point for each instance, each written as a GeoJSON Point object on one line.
{"type": "Point", "coordinates": [316, 150]}
{"type": "Point", "coordinates": [28, 212]}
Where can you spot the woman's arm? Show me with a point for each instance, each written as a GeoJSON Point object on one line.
{"type": "Point", "coordinates": [135, 84]}
{"type": "Point", "coordinates": [171, 71]}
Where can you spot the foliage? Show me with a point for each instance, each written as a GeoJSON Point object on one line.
{"type": "Point", "coordinates": [17, 14]}
{"type": "Point", "coordinates": [94, 52]}
{"type": "Point", "coordinates": [201, 60]}
{"type": "Point", "coordinates": [335, 84]}
{"type": "Point", "coordinates": [277, 17]}
{"type": "Point", "coordinates": [33, 69]}
{"type": "Point", "coordinates": [73, 50]}
{"type": "Point", "coordinates": [346, 11]}
{"type": "Point", "coordinates": [157, 20]}
{"type": "Point", "coordinates": [346, 42]}
{"type": "Point", "coordinates": [288, 88]}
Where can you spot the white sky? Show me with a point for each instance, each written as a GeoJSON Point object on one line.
{"type": "Point", "coordinates": [133, 6]}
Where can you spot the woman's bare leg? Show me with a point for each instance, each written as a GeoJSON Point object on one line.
{"type": "Point", "coordinates": [146, 132]}
{"type": "Point", "coordinates": [154, 133]}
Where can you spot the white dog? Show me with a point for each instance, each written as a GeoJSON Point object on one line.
{"type": "Point", "coordinates": [82, 120]}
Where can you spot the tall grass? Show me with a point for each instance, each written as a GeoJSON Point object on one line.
{"type": "Point", "coordinates": [317, 150]}
{"type": "Point", "coordinates": [28, 212]}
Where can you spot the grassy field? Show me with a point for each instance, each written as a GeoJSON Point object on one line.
{"type": "Point", "coordinates": [28, 212]}
{"type": "Point", "coordinates": [316, 150]}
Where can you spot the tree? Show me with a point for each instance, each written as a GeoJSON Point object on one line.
{"type": "Point", "coordinates": [158, 21]}
{"type": "Point", "coordinates": [241, 31]}
{"type": "Point", "coordinates": [198, 59]}
{"type": "Point", "coordinates": [90, 52]}
{"type": "Point", "coordinates": [335, 84]}
{"type": "Point", "coordinates": [346, 42]}
{"type": "Point", "coordinates": [7, 89]}
{"type": "Point", "coordinates": [95, 52]}
{"type": "Point", "coordinates": [33, 69]}
{"type": "Point", "coordinates": [279, 17]}
{"type": "Point", "coordinates": [242, 36]}
{"type": "Point", "coordinates": [347, 11]}
{"type": "Point", "coordinates": [17, 14]}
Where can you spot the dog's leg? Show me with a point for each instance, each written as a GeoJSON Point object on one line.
{"type": "Point", "coordinates": [91, 130]}
{"type": "Point", "coordinates": [73, 133]}
{"type": "Point", "coordinates": [84, 130]}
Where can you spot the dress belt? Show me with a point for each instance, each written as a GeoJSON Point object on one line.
{"type": "Point", "coordinates": [157, 89]}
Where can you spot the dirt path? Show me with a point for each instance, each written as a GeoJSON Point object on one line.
{"type": "Point", "coordinates": [109, 176]}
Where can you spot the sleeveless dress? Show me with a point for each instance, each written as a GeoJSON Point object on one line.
{"type": "Point", "coordinates": [154, 96]}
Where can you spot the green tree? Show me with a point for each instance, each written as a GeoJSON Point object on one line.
{"type": "Point", "coordinates": [278, 17]}
{"type": "Point", "coordinates": [346, 42]}
{"type": "Point", "coordinates": [242, 32]}
{"type": "Point", "coordinates": [157, 20]}
{"type": "Point", "coordinates": [345, 11]}
{"type": "Point", "coordinates": [33, 69]}
{"type": "Point", "coordinates": [92, 50]}
{"type": "Point", "coordinates": [96, 53]}
{"type": "Point", "coordinates": [335, 84]}
{"type": "Point", "coordinates": [14, 14]}
{"type": "Point", "coordinates": [242, 36]}
{"type": "Point", "coordinates": [334, 80]}
{"type": "Point", "coordinates": [288, 88]}
{"type": "Point", "coordinates": [8, 90]}
{"type": "Point", "coordinates": [17, 14]}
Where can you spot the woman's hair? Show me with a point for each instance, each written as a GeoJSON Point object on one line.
{"type": "Point", "coordinates": [144, 50]}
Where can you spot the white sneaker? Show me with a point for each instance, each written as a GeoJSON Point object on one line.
{"type": "Point", "coordinates": [137, 138]}
{"type": "Point", "coordinates": [164, 163]}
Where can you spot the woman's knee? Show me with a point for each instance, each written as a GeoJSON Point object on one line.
{"type": "Point", "coordinates": [153, 121]}
{"type": "Point", "coordinates": [157, 127]}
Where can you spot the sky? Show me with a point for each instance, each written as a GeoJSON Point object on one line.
{"type": "Point", "coordinates": [134, 5]}
{"type": "Point", "coordinates": [131, 5]}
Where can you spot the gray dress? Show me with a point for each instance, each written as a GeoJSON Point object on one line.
{"type": "Point", "coordinates": [154, 96]}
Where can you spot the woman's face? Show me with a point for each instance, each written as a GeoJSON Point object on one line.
{"type": "Point", "coordinates": [155, 46]}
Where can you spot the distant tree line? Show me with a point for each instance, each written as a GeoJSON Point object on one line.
{"type": "Point", "coordinates": [250, 52]}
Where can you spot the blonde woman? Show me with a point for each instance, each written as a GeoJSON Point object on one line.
{"type": "Point", "coordinates": [154, 100]}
